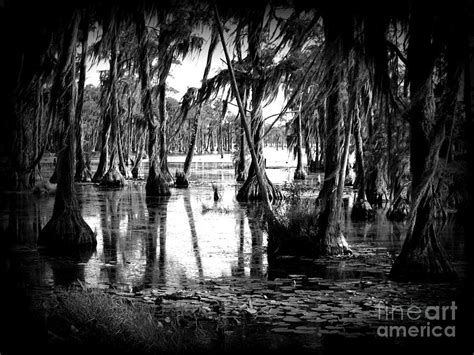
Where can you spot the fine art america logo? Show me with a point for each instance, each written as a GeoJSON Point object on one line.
{"type": "Point", "coordinates": [431, 321]}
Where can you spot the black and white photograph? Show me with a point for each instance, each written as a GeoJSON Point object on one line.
{"type": "Point", "coordinates": [233, 177]}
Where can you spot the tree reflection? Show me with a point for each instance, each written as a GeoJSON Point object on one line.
{"type": "Point", "coordinates": [110, 220]}
{"type": "Point", "coordinates": [255, 215]}
{"type": "Point", "coordinates": [238, 270]}
{"type": "Point", "coordinates": [194, 237]}
{"type": "Point", "coordinates": [24, 219]}
{"type": "Point", "coordinates": [68, 268]}
{"type": "Point", "coordinates": [157, 215]}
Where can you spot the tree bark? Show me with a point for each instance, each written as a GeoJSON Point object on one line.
{"type": "Point", "coordinates": [422, 256]}
{"type": "Point", "coordinates": [121, 160]}
{"type": "Point", "coordinates": [241, 169]}
{"type": "Point", "coordinates": [299, 172]}
{"type": "Point", "coordinates": [113, 177]}
{"type": "Point", "coordinates": [329, 237]}
{"type": "Point", "coordinates": [138, 158]}
{"type": "Point", "coordinates": [104, 142]}
{"type": "Point", "coordinates": [251, 189]}
{"type": "Point", "coordinates": [258, 174]}
{"type": "Point", "coordinates": [82, 171]}
{"type": "Point", "coordinates": [257, 186]}
{"type": "Point", "coordinates": [163, 132]}
{"type": "Point", "coordinates": [67, 230]}
{"type": "Point", "coordinates": [195, 122]}
{"type": "Point", "coordinates": [361, 210]}
{"type": "Point", "coordinates": [156, 184]}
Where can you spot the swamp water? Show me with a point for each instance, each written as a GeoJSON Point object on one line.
{"type": "Point", "coordinates": [190, 252]}
{"type": "Point", "coordinates": [183, 239]}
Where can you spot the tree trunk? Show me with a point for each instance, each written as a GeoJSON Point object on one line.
{"type": "Point", "coordinates": [67, 230]}
{"type": "Point", "coordinates": [192, 141]}
{"type": "Point", "coordinates": [113, 177]}
{"type": "Point", "coordinates": [195, 122]}
{"type": "Point", "coordinates": [230, 143]}
{"type": "Point", "coordinates": [362, 210]}
{"type": "Point", "coordinates": [329, 235]}
{"type": "Point", "coordinates": [251, 189]}
{"type": "Point", "coordinates": [240, 172]}
{"type": "Point", "coordinates": [82, 171]}
{"type": "Point", "coordinates": [260, 177]}
{"type": "Point", "coordinates": [422, 256]}
{"type": "Point", "coordinates": [299, 172]}
{"type": "Point", "coordinates": [121, 160]}
{"type": "Point", "coordinates": [156, 184]}
{"type": "Point", "coordinates": [26, 145]}
{"type": "Point", "coordinates": [221, 123]}
{"type": "Point", "coordinates": [138, 158]}
{"type": "Point", "coordinates": [104, 151]}
{"type": "Point", "coordinates": [163, 132]}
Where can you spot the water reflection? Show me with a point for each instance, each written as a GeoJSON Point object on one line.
{"type": "Point", "coordinates": [176, 240]}
{"type": "Point", "coordinates": [110, 223]}
{"type": "Point", "coordinates": [66, 269]}
{"type": "Point", "coordinates": [157, 208]}
{"type": "Point", "coordinates": [255, 215]}
{"type": "Point", "coordinates": [238, 269]}
{"type": "Point", "coordinates": [20, 219]}
{"type": "Point", "coordinates": [192, 228]}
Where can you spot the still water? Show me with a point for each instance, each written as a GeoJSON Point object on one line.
{"type": "Point", "coordinates": [174, 241]}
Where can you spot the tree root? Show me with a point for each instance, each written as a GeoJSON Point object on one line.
{"type": "Point", "coordinates": [156, 185]}
{"type": "Point", "coordinates": [113, 178]}
{"type": "Point", "coordinates": [84, 176]}
{"type": "Point", "coordinates": [181, 181]}
{"type": "Point", "coordinates": [334, 244]}
{"type": "Point", "coordinates": [425, 262]}
{"type": "Point", "coordinates": [250, 190]}
{"type": "Point", "coordinates": [67, 231]}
